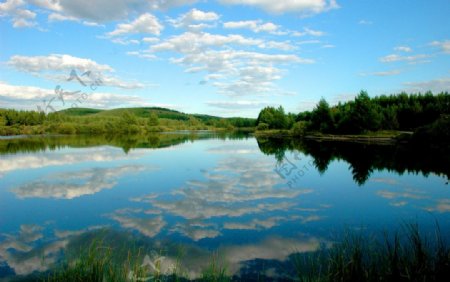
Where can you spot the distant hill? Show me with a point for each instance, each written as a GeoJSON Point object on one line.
{"type": "Point", "coordinates": [145, 112]}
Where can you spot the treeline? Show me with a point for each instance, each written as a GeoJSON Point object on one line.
{"type": "Point", "coordinates": [133, 120]}
{"type": "Point", "coordinates": [363, 114]}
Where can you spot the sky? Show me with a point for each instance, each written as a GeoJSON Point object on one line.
{"type": "Point", "coordinates": [223, 57]}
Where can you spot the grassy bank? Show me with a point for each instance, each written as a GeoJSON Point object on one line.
{"type": "Point", "coordinates": [388, 137]}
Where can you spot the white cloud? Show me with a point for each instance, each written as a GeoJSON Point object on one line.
{"type": "Point", "coordinates": [240, 104]}
{"type": "Point", "coordinates": [24, 92]}
{"type": "Point", "coordinates": [144, 24]}
{"type": "Point", "coordinates": [403, 49]}
{"type": "Point", "coordinates": [57, 17]}
{"type": "Point", "coordinates": [190, 42]}
{"type": "Point", "coordinates": [55, 62]}
{"type": "Point", "coordinates": [443, 45]}
{"type": "Point", "coordinates": [383, 73]}
{"type": "Point", "coordinates": [387, 73]}
{"type": "Point", "coordinates": [284, 45]}
{"type": "Point", "coordinates": [14, 97]}
{"type": "Point", "coordinates": [123, 41]}
{"type": "Point", "coordinates": [308, 42]}
{"type": "Point", "coordinates": [308, 31]}
{"type": "Point", "coordinates": [304, 7]}
{"type": "Point", "coordinates": [150, 40]}
{"type": "Point", "coordinates": [365, 22]}
{"type": "Point", "coordinates": [20, 17]}
{"type": "Point", "coordinates": [193, 19]}
{"type": "Point", "coordinates": [242, 72]}
{"type": "Point", "coordinates": [399, 58]}
{"type": "Point", "coordinates": [106, 10]}
{"type": "Point", "coordinates": [255, 26]}
{"type": "Point", "coordinates": [435, 85]}
{"type": "Point", "coordinates": [58, 67]}
{"type": "Point", "coordinates": [231, 59]}
{"type": "Point", "coordinates": [53, 5]}
{"type": "Point", "coordinates": [141, 54]}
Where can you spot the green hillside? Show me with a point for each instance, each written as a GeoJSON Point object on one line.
{"type": "Point", "coordinates": [124, 120]}
{"type": "Point", "coordinates": [162, 113]}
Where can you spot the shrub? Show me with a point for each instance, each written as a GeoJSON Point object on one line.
{"type": "Point", "coordinates": [262, 126]}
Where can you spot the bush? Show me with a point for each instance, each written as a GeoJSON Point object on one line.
{"type": "Point", "coordinates": [66, 128]}
{"type": "Point", "coordinates": [262, 126]}
{"type": "Point", "coordinates": [299, 128]}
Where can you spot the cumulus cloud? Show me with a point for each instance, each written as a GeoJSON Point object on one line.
{"type": "Point", "coordinates": [47, 99]}
{"type": "Point", "coordinates": [365, 22]}
{"type": "Point", "coordinates": [235, 72]}
{"type": "Point", "coordinates": [403, 49]}
{"type": "Point", "coordinates": [399, 58]}
{"type": "Point", "coordinates": [195, 20]}
{"type": "Point", "coordinates": [58, 67]}
{"type": "Point", "coordinates": [55, 62]}
{"type": "Point", "coordinates": [240, 104]}
{"type": "Point", "coordinates": [106, 10]}
{"type": "Point", "coordinates": [144, 24]}
{"type": "Point", "coordinates": [304, 7]}
{"type": "Point", "coordinates": [443, 45]}
{"type": "Point", "coordinates": [75, 184]}
{"type": "Point", "coordinates": [434, 85]}
{"type": "Point", "coordinates": [308, 31]}
{"type": "Point", "coordinates": [20, 17]}
{"type": "Point", "coordinates": [255, 26]}
{"type": "Point", "coordinates": [190, 42]}
{"type": "Point", "coordinates": [383, 73]}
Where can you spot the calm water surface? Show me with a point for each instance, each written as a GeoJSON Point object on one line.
{"type": "Point", "coordinates": [250, 200]}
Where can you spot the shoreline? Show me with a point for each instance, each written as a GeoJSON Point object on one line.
{"type": "Point", "coordinates": [377, 137]}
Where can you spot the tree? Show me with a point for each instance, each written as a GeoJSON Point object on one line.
{"type": "Point", "coordinates": [321, 118]}
{"type": "Point", "coordinates": [2, 121]}
{"type": "Point", "coordinates": [274, 118]}
{"type": "Point", "coordinates": [390, 118]}
{"type": "Point", "coordinates": [365, 115]}
{"type": "Point", "coordinates": [153, 119]}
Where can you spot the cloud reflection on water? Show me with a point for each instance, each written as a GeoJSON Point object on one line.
{"type": "Point", "coordinates": [70, 185]}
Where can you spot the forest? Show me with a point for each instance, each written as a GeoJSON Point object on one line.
{"type": "Point", "coordinates": [401, 112]}
{"type": "Point", "coordinates": [117, 121]}
{"type": "Point", "coordinates": [424, 113]}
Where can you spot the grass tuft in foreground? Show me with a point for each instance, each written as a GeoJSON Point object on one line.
{"type": "Point", "coordinates": [406, 255]}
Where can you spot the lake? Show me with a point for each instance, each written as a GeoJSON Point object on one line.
{"type": "Point", "coordinates": [185, 196]}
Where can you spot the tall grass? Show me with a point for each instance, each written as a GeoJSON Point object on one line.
{"type": "Point", "coordinates": [406, 255]}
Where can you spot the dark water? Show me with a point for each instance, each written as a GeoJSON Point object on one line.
{"type": "Point", "coordinates": [251, 201]}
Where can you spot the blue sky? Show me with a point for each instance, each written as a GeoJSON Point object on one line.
{"type": "Point", "coordinates": [224, 57]}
